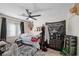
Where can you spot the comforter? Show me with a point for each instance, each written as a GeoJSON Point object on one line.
{"type": "Point", "coordinates": [23, 50]}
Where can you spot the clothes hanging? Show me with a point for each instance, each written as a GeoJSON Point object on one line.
{"type": "Point", "coordinates": [46, 34]}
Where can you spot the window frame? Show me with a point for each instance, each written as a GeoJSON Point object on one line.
{"type": "Point", "coordinates": [16, 30]}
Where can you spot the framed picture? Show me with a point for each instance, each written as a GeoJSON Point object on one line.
{"type": "Point", "coordinates": [38, 28]}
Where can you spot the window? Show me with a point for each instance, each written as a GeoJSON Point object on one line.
{"type": "Point", "coordinates": [13, 29]}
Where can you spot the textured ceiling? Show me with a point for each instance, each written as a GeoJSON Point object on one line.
{"type": "Point", "coordinates": [16, 9]}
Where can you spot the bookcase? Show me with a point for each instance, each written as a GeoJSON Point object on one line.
{"type": "Point", "coordinates": [56, 34]}
{"type": "Point", "coordinates": [70, 45]}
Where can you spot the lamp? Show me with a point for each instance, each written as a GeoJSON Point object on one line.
{"type": "Point", "coordinates": [75, 9]}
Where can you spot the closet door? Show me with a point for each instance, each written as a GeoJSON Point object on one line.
{"type": "Point", "coordinates": [56, 32]}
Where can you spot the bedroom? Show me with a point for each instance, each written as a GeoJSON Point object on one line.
{"type": "Point", "coordinates": [15, 24]}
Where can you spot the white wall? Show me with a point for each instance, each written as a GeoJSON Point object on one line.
{"type": "Point", "coordinates": [57, 13]}
{"type": "Point", "coordinates": [49, 16]}
{"type": "Point", "coordinates": [73, 27]}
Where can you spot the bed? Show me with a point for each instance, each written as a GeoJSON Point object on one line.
{"type": "Point", "coordinates": [31, 39]}
{"type": "Point", "coordinates": [23, 50]}
{"type": "Point", "coordinates": [30, 47]}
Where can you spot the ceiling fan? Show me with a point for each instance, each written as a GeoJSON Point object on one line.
{"type": "Point", "coordinates": [29, 15]}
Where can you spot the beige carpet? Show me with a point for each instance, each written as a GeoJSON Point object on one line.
{"type": "Point", "coordinates": [51, 52]}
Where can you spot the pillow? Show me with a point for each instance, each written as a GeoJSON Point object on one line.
{"type": "Point", "coordinates": [33, 39]}
{"type": "Point", "coordinates": [26, 38]}
{"type": "Point", "coordinates": [36, 42]}
{"type": "Point", "coordinates": [2, 43]}
{"type": "Point", "coordinates": [36, 45]}
{"type": "Point", "coordinates": [30, 39]}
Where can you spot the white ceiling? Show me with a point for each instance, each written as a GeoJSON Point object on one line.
{"type": "Point", "coordinates": [16, 9]}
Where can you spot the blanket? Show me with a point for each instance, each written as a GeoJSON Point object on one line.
{"type": "Point", "coordinates": [23, 50]}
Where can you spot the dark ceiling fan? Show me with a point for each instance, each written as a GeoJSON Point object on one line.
{"type": "Point", "coordinates": [30, 15]}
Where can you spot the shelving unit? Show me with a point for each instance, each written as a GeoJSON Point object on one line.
{"type": "Point", "coordinates": [70, 45]}
{"type": "Point", "coordinates": [56, 33]}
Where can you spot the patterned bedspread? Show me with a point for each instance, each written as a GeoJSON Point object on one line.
{"type": "Point", "coordinates": [26, 51]}
{"type": "Point", "coordinates": [23, 50]}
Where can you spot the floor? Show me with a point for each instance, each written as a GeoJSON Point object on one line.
{"type": "Point", "coordinates": [51, 52]}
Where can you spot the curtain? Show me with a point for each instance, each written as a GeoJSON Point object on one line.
{"type": "Point", "coordinates": [3, 29]}
{"type": "Point", "coordinates": [0, 26]}
{"type": "Point", "coordinates": [22, 27]}
{"type": "Point", "coordinates": [46, 34]}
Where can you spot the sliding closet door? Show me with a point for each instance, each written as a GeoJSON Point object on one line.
{"type": "Point", "coordinates": [56, 33]}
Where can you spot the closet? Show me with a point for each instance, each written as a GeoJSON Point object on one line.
{"type": "Point", "coordinates": [57, 32]}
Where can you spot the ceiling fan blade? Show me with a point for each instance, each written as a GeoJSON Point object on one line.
{"type": "Point", "coordinates": [27, 18]}
{"type": "Point", "coordinates": [33, 18]}
{"type": "Point", "coordinates": [35, 15]}
{"type": "Point", "coordinates": [27, 11]}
